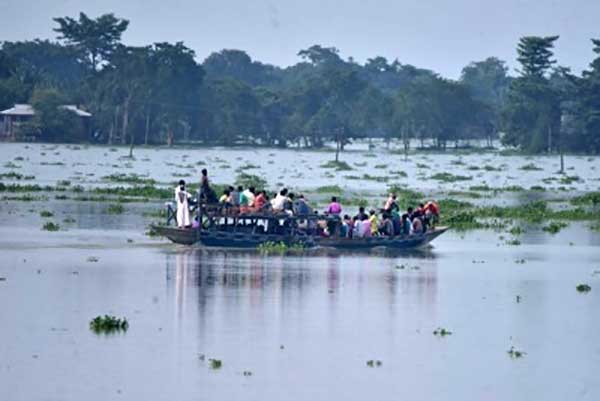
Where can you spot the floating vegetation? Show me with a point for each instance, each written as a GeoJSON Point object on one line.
{"type": "Point", "coordinates": [11, 165]}
{"type": "Point", "coordinates": [567, 180]}
{"type": "Point", "coordinates": [250, 180]}
{"type": "Point", "coordinates": [591, 198]}
{"type": "Point", "coordinates": [329, 189]}
{"type": "Point", "coordinates": [16, 176]}
{"type": "Point", "coordinates": [63, 183]}
{"type": "Point", "coordinates": [530, 167]}
{"type": "Point", "coordinates": [50, 226]}
{"type": "Point", "coordinates": [280, 247]}
{"type": "Point", "coordinates": [514, 353]}
{"type": "Point", "coordinates": [398, 173]}
{"type": "Point", "coordinates": [372, 363]}
{"type": "Point", "coordinates": [513, 242]}
{"type": "Point", "coordinates": [447, 177]}
{"type": "Point", "coordinates": [554, 227]}
{"type": "Point", "coordinates": [115, 208]}
{"type": "Point", "coordinates": [46, 213]}
{"type": "Point", "coordinates": [441, 332]}
{"type": "Point", "coordinates": [68, 220]}
{"type": "Point", "coordinates": [516, 230]}
{"type": "Point", "coordinates": [215, 363]}
{"type": "Point", "coordinates": [108, 324]}
{"type": "Point", "coordinates": [129, 179]}
{"type": "Point", "coordinates": [537, 188]}
{"type": "Point", "coordinates": [52, 164]}
{"type": "Point", "coordinates": [583, 288]}
{"type": "Point", "coordinates": [338, 166]}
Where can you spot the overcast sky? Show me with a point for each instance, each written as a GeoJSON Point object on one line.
{"type": "Point", "coordinates": [442, 35]}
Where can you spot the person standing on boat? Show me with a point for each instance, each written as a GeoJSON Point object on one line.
{"type": "Point", "coordinates": [207, 194]}
{"type": "Point", "coordinates": [334, 207]}
{"type": "Point", "coordinates": [183, 209]}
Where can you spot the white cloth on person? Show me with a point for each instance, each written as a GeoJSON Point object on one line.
{"type": "Point", "coordinates": [183, 209]}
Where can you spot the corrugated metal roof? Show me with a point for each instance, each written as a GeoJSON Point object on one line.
{"type": "Point", "coordinates": [19, 110]}
{"type": "Point", "coordinates": [27, 110]}
{"type": "Point", "coordinates": [74, 109]}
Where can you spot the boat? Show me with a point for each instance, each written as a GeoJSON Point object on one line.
{"type": "Point", "coordinates": [251, 230]}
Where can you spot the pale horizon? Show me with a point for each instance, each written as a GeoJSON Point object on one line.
{"type": "Point", "coordinates": [438, 36]}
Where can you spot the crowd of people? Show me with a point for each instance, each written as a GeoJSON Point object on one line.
{"type": "Point", "coordinates": [237, 200]}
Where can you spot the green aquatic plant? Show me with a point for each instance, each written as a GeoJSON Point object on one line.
{"type": "Point", "coordinates": [448, 177]}
{"type": "Point", "coordinates": [374, 363]}
{"type": "Point", "coordinates": [50, 226]}
{"type": "Point", "coordinates": [554, 227]}
{"type": "Point", "coordinates": [591, 198]}
{"type": "Point", "coordinates": [63, 183]}
{"type": "Point", "coordinates": [530, 167]}
{"type": "Point", "coordinates": [215, 363]}
{"type": "Point", "coordinates": [583, 288]}
{"type": "Point", "coordinates": [337, 165]}
{"type": "Point", "coordinates": [46, 213]}
{"type": "Point", "coordinates": [250, 180]}
{"type": "Point", "coordinates": [108, 324]}
{"type": "Point", "coordinates": [516, 230]}
{"type": "Point", "coordinates": [16, 176]}
{"type": "Point", "coordinates": [441, 332]}
{"type": "Point", "coordinates": [129, 179]}
{"type": "Point", "coordinates": [514, 242]}
{"type": "Point", "coordinates": [279, 247]}
{"type": "Point", "coordinates": [514, 353]}
{"type": "Point", "coordinates": [567, 180]}
{"type": "Point", "coordinates": [329, 189]}
{"type": "Point", "coordinates": [115, 208]}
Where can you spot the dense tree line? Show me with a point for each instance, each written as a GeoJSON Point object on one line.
{"type": "Point", "coordinates": [159, 94]}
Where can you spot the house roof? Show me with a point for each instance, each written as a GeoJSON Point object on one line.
{"type": "Point", "coordinates": [74, 109]}
{"type": "Point", "coordinates": [19, 110]}
{"type": "Point", "coordinates": [27, 110]}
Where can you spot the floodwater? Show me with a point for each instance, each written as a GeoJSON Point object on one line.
{"type": "Point", "coordinates": [304, 326]}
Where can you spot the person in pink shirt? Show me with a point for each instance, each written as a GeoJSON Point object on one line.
{"type": "Point", "coordinates": [334, 206]}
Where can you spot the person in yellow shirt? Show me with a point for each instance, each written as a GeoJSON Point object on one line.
{"type": "Point", "coordinates": [374, 223]}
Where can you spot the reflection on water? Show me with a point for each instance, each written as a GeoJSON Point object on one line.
{"type": "Point", "coordinates": [234, 277]}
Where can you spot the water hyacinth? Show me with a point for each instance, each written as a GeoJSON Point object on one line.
{"type": "Point", "coordinates": [108, 324]}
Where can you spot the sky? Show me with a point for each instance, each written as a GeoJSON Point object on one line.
{"type": "Point", "coordinates": [441, 35]}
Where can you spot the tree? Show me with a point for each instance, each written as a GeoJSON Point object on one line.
{"type": "Point", "coordinates": [535, 55]}
{"type": "Point", "coordinates": [587, 111]}
{"type": "Point", "coordinates": [531, 116]}
{"type": "Point", "coordinates": [56, 123]}
{"type": "Point", "coordinates": [96, 38]}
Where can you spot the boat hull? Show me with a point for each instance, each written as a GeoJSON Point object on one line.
{"type": "Point", "coordinates": [244, 240]}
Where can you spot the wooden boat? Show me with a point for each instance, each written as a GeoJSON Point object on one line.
{"type": "Point", "coordinates": [252, 230]}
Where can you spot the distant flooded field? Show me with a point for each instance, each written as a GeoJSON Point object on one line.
{"type": "Point", "coordinates": [506, 297]}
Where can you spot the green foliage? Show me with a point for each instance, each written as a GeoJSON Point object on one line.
{"type": "Point", "coordinates": [448, 177]}
{"type": "Point", "coordinates": [514, 353]}
{"type": "Point", "coordinates": [108, 324]}
{"type": "Point", "coordinates": [441, 332]}
{"type": "Point", "coordinates": [116, 208]}
{"type": "Point", "coordinates": [329, 189]}
{"type": "Point", "coordinates": [129, 179]}
{"type": "Point", "coordinates": [50, 226]}
{"type": "Point", "coordinates": [554, 227]}
{"type": "Point", "coordinates": [215, 363]}
{"type": "Point", "coordinates": [530, 167]}
{"type": "Point", "coordinates": [250, 180]}
{"type": "Point", "coordinates": [583, 288]}
{"type": "Point", "coordinates": [280, 247]}
{"type": "Point", "coordinates": [46, 213]}
{"type": "Point", "coordinates": [337, 165]}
